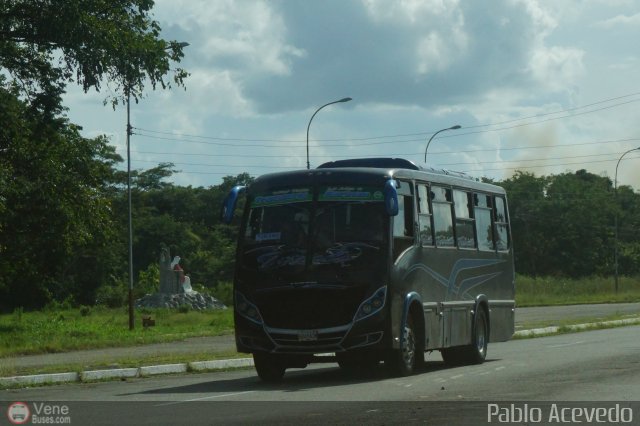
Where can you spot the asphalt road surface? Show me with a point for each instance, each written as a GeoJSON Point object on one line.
{"type": "Point", "coordinates": [602, 365]}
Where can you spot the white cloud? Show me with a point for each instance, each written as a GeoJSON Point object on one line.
{"type": "Point", "coordinates": [620, 20]}
{"type": "Point", "coordinates": [246, 36]}
{"type": "Point", "coordinates": [556, 67]}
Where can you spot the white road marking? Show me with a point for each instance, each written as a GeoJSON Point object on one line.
{"type": "Point", "coordinates": [457, 376]}
{"type": "Point", "coordinates": [567, 344]}
{"type": "Point", "coordinates": [500, 368]}
{"type": "Point", "coordinates": [203, 398]}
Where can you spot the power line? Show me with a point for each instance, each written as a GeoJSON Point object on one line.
{"type": "Point", "coordinates": [457, 134]}
{"type": "Point", "coordinates": [534, 159]}
{"type": "Point", "coordinates": [395, 154]}
{"type": "Point", "coordinates": [256, 166]}
{"type": "Point", "coordinates": [544, 165]}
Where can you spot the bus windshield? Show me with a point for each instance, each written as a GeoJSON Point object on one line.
{"type": "Point", "coordinates": [288, 232]}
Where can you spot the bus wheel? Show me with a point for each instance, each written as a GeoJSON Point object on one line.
{"type": "Point", "coordinates": [270, 368]}
{"type": "Point", "coordinates": [476, 353]}
{"type": "Point", "coordinates": [403, 361]}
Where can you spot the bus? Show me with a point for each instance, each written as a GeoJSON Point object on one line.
{"type": "Point", "coordinates": [368, 260]}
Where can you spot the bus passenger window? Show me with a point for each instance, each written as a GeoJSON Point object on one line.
{"type": "Point", "coordinates": [424, 216]}
{"type": "Point", "coordinates": [442, 217]}
{"type": "Point", "coordinates": [462, 202]}
{"type": "Point", "coordinates": [403, 222]}
{"type": "Point", "coordinates": [403, 226]}
{"type": "Point", "coordinates": [502, 226]}
{"type": "Point", "coordinates": [484, 230]}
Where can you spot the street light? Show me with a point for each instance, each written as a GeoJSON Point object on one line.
{"type": "Point", "coordinates": [309, 125]}
{"type": "Point", "coordinates": [129, 133]}
{"type": "Point", "coordinates": [615, 191]}
{"type": "Point", "coordinates": [456, 127]}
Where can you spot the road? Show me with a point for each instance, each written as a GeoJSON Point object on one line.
{"type": "Point", "coordinates": [602, 365]}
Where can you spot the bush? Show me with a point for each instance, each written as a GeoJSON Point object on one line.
{"type": "Point", "coordinates": [54, 305]}
{"type": "Point", "coordinates": [148, 281]}
{"type": "Point", "coordinates": [223, 291]}
{"type": "Point", "coordinates": [112, 296]}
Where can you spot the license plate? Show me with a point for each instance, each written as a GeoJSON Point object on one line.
{"type": "Point", "coordinates": [307, 335]}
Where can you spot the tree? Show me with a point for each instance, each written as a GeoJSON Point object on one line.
{"type": "Point", "coordinates": [58, 190]}
{"type": "Point", "coordinates": [57, 223]}
{"type": "Point", "coordinates": [45, 44]}
{"type": "Point", "coordinates": [529, 224]}
{"type": "Point", "coordinates": [563, 224]}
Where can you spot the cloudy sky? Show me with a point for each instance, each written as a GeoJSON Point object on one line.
{"type": "Point", "coordinates": [539, 86]}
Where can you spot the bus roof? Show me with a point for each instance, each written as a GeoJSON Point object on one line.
{"type": "Point", "coordinates": [360, 171]}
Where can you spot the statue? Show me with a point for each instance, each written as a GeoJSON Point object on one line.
{"type": "Point", "coordinates": [167, 277]}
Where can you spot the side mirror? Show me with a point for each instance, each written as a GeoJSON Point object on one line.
{"type": "Point", "coordinates": [391, 197]}
{"type": "Point", "coordinates": [229, 203]}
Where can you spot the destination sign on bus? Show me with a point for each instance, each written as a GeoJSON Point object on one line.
{"type": "Point", "coordinates": [344, 193]}
{"type": "Point", "coordinates": [282, 197]}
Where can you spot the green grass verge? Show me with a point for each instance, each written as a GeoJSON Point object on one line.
{"type": "Point", "coordinates": [549, 291]}
{"type": "Point", "coordinates": [23, 333]}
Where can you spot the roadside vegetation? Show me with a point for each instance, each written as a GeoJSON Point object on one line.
{"type": "Point", "coordinates": [546, 291]}
{"type": "Point", "coordinates": [62, 330]}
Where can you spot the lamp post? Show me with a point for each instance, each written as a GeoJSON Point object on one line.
{"type": "Point", "coordinates": [615, 244]}
{"type": "Point", "coordinates": [309, 125]}
{"type": "Point", "coordinates": [456, 127]}
{"type": "Point", "coordinates": [129, 133]}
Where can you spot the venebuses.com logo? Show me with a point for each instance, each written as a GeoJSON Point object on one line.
{"type": "Point", "coordinates": [18, 413]}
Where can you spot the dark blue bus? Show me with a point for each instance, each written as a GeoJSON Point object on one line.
{"type": "Point", "coordinates": [371, 260]}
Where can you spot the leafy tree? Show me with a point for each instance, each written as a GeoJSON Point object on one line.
{"type": "Point", "coordinates": [60, 196]}
{"type": "Point", "coordinates": [56, 220]}
{"type": "Point", "coordinates": [45, 44]}
{"type": "Point", "coordinates": [527, 202]}
{"type": "Point", "coordinates": [563, 224]}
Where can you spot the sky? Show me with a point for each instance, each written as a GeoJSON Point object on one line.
{"type": "Point", "coordinates": [540, 86]}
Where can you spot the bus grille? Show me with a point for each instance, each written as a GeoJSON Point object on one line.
{"type": "Point", "coordinates": [310, 308]}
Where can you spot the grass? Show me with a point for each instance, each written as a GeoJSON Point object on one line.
{"type": "Point", "coordinates": [549, 291]}
{"type": "Point", "coordinates": [23, 333]}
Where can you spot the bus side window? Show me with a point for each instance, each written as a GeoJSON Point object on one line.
{"type": "Point", "coordinates": [463, 206]}
{"type": "Point", "coordinates": [442, 216]}
{"type": "Point", "coordinates": [484, 230]}
{"type": "Point", "coordinates": [424, 216]}
{"type": "Point", "coordinates": [502, 224]}
{"type": "Point", "coordinates": [403, 223]}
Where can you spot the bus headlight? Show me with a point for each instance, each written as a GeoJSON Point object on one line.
{"type": "Point", "coordinates": [372, 305]}
{"type": "Point", "coordinates": [247, 309]}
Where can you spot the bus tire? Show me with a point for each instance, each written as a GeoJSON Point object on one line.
{"type": "Point", "coordinates": [270, 368]}
{"type": "Point", "coordinates": [404, 361]}
{"type": "Point", "coordinates": [476, 352]}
